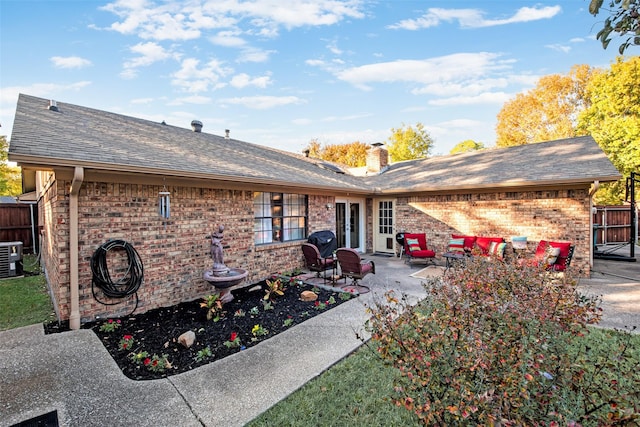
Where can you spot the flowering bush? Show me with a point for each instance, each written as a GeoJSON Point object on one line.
{"type": "Point", "coordinates": [126, 342]}
{"type": "Point", "coordinates": [110, 325]}
{"type": "Point", "coordinates": [489, 346]}
{"type": "Point", "coordinates": [139, 357]}
{"type": "Point", "coordinates": [258, 331]}
{"type": "Point", "coordinates": [234, 341]}
{"type": "Point", "coordinates": [157, 363]}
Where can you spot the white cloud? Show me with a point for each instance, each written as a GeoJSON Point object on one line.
{"type": "Point", "coordinates": [439, 70]}
{"type": "Point", "coordinates": [148, 53]}
{"type": "Point", "coordinates": [254, 55]}
{"type": "Point", "coordinates": [194, 78]}
{"type": "Point", "coordinates": [474, 18]}
{"type": "Point", "coordinates": [228, 39]}
{"type": "Point", "coordinates": [559, 47]}
{"type": "Point", "coordinates": [186, 21]}
{"type": "Point", "coordinates": [194, 99]}
{"type": "Point", "coordinates": [263, 102]}
{"type": "Point", "coordinates": [243, 80]}
{"type": "Point", "coordinates": [70, 62]}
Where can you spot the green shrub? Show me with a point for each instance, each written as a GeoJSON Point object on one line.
{"type": "Point", "coordinates": [495, 344]}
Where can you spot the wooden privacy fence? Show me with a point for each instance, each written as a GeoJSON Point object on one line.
{"type": "Point", "coordinates": [19, 223]}
{"type": "Point", "coordinates": [613, 225]}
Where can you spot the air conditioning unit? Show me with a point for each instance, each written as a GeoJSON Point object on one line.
{"type": "Point", "coordinates": [10, 259]}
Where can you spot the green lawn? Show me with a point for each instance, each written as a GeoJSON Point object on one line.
{"type": "Point", "coordinates": [355, 391]}
{"type": "Point", "coordinates": [25, 300]}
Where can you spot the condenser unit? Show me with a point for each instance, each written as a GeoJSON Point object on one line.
{"type": "Point", "coordinates": [10, 259]}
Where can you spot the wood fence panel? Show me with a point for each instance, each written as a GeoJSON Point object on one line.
{"type": "Point", "coordinates": [15, 224]}
{"type": "Point", "coordinates": [613, 224]}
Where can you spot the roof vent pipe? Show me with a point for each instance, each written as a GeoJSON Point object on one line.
{"type": "Point", "coordinates": [196, 125]}
{"type": "Point", "coordinates": [53, 105]}
{"type": "Point", "coordinates": [226, 133]}
{"type": "Point", "coordinates": [306, 152]}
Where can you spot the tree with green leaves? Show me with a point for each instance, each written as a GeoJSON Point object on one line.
{"type": "Point", "coordinates": [407, 143]}
{"type": "Point", "coordinates": [547, 112]}
{"type": "Point", "coordinates": [353, 154]}
{"type": "Point", "coordinates": [467, 145]}
{"type": "Point", "coordinates": [613, 119]}
{"type": "Point", "coordinates": [10, 179]}
{"type": "Point", "coordinates": [623, 19]}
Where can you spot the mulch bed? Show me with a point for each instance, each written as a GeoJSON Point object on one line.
{"type": "Point", "coordinates": [156, 332]}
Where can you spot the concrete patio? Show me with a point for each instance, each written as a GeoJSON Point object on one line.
{"type": "Point", "coordinates": [73, 374]}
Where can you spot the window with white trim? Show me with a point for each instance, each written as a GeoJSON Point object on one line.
{"type": "Point", "coordinates": [279, 217]}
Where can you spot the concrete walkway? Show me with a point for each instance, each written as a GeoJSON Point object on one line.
{"type": "Point", "coordinates": [73, 374]}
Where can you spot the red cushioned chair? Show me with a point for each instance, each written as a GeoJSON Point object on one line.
{"type": "Point", "coordinates": [351, 265]}
{"type": "Point", "coordinates": [562, 255]}
{"type": "Point", "coordinates": [314, 261]}
{"type": "Point", "coordinates": [415, 248]}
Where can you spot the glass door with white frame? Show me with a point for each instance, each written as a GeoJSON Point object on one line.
{"type": "Point", "coordinates": [350, 224]}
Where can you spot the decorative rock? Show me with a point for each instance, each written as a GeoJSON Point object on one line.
{"type": "Point", "coordinates": [308, 296]}
{"type": "Point", "coordinates": [255, 288]}
{"type": "Point", "coordinates": [187, 339]}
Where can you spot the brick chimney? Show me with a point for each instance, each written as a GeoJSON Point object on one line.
{"type": "Point", "coordinates": [377, 158]}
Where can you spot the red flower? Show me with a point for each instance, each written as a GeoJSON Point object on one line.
{"type": "Point", "coordinates": [110, 321]}
{"type": "Point", "coordinates": [146, 361]}
{"type": "Point", "coordinates": [127, 337]}
{"type": "Point", "coordinates": [233, 336]}
{"type": "Point", "coordinates": [155, 363]}
{"type": "Point", "coordinates": [118, 321]}
{"type": "Point", "coordinates": [317, 303]}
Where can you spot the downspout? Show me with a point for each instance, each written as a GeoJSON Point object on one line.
{"type": "Point", "coordinates": [74, 316]}
{"type": "Point", "coordinates": [592, 191]}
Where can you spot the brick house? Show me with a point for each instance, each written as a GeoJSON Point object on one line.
{"type": "Point", "coordinates": [97, 176]}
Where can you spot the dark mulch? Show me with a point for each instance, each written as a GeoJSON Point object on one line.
{"type": "Point", "coordinates": [157, 331]}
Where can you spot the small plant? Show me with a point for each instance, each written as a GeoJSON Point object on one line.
{"type": "Point", "coordinates": [110, 326]}
{"type": "Point", "coordinates": [239, 313]}
{"type": "Point", "coordinates": [345, 296]}
{"type": "Point", "coordinates": [139, 357]}
{"type": "Point", "coordinates": [319, 305]}
{"type": "Point", "coordinates": [203, 354]}
{"type": "Point", "coordinates": [234, 341]}
{"type": "Point", "coordinates": [254, 311]}
{"type": "Point", "coordinates": [126, 342]}
{"type": "Point", "coordinates": [287, 322]}
{"type": "Point", "coordinates": [267, 305]}
{"type": "Point", "coordinates": [157, 363]}
{"type": "Point", "coordinates": [275, 288]}
{"type": "Point", "coordinates": [258, 331]}
{"type": "Point", "coordinates": [331, 300]}
{"type": "Point", "coordinates": [213, 303]}
{"type": "Point", "coordinates": [315, 290]}
{"type": "Point", "coordinates": [304, 314]}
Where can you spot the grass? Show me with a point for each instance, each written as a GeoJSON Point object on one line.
{"type": "Point", "coordinates": [357, 390]}
{"type": "Point", "coordinates": [353, 392]}
{"type": "Point", "coordinates": [25, 300]}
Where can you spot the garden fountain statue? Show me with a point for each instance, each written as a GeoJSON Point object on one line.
{"type": "Point", "coordinates": [223, 278]}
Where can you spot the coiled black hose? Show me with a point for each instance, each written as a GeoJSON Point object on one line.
{"type": "Point", "coordinates": [131, 281]}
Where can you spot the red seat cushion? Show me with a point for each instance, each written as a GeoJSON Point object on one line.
{"type": "Point", "coordinates": [425, 253]}
{"type": "Point", "coordinates": [484, 243]}
{"type": "Point", "coordinates": [468, 240]}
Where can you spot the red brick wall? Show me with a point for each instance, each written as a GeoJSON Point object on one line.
{"type": "Point", "coordinates": [539, 215]}
{"type": "Point", "coordinates": [174, 252]}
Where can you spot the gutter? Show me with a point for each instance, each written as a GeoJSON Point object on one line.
{"type": "Point", "coordinates": [592, 191]}
{"type": "Point", "coordinates": [74, 316]}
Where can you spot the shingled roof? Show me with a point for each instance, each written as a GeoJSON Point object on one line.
{"type": "Point", "coordinates": [80, 136]}
{"type": "Point", "coordinates": [560, 162]}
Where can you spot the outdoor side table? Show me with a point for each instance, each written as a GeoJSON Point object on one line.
{"type": "Point", "coordinates": [454, 258]}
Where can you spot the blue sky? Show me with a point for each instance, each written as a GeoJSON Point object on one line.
{"type": "Point", "coordinates": [281, 73]}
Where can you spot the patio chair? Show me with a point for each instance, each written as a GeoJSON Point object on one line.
{"type": "Point", "coordinates": [415, 248]}
{"type": "Point", "coordinates": [351, 265]}
{"type": "Point", "coordinates": [315, 262]}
